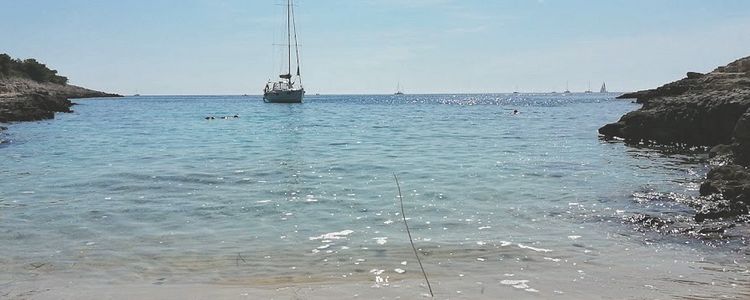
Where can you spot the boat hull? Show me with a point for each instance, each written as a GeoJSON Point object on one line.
{"type": "Point", "coordinates": [293, 96]}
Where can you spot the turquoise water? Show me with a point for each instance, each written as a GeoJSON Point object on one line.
{"type": "Point", "coordinates": [145, 188]}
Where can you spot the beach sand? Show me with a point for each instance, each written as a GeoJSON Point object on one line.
{"type": "Point", "coordinates": [408, 289]}
{"type": "Point", "coordinates": [551, 283]}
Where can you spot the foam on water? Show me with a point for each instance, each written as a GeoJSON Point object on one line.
{"type": "Point", "coordinates": [146, 188]}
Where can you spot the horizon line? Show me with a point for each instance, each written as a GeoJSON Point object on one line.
{"type": "Point", "coordinates": [380, 94]}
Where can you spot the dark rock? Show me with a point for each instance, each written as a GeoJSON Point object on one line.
{"type": "Point", "coordinates": [742, 129]}
{"type": "Point", "coordinates": [710, 109]}
{"type": "Point", "coordinates": [694, 75]}
{"type": "Point", "coordinates": [723, 210]}
{"type": "Point", "coordinates": [32, 107]}
{"type": "Point", "coordinates": [702, 119]}
{"type": "Point", "coordinates": [612, 130]}
{"type": "Point", "coordinates": [26, 100]}
{"type": "Point", "coordinates": [633, 95]}
{"type": "Point", "coordinates": [732, 182]}
{"type": "Point", "coordinates": [715, 229]}
{"type": "Point", "coordinates": [728, 77]}
{"type": "Point", "coordinates": [721, 150]}
{"type": "Point", "coordinates": [742, 139]}
{"type": "Point", "coordinates": [701, 110]}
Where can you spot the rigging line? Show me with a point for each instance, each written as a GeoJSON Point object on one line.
{"type": "Point", "coordinates": [296, 44]}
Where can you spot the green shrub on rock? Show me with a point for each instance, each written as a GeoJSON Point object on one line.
{"type": "Point", "coordinates": [29, 68]}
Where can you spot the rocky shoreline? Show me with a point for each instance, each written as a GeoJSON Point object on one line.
{"type": "Point", "coordinates": [710, 110]}
{"type": "Point", "coordinates": [23, 99]}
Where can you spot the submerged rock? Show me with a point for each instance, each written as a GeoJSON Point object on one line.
{"type": "Point", "coordinates": [650, 222]}
{"type": "Point", "coordinates": [732, 182]}
{"type": "Point", "coordinates": [707, 231]}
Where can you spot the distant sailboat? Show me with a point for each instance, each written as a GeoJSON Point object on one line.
{"type": "Point", "coordinates": [604, 88]}
{"type": "Point", "coordinates": [567, 90]}
{"type": "Point", "coordinates": [398, 89]}
{"type": "Point", "coordinates": [286, 90]}
{"type": "Point", "coordinates": [588, 91]}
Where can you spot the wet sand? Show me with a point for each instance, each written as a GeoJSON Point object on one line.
{"type": "Point", "coordinates": [469, 288]}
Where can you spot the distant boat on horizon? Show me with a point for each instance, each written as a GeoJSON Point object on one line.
{"type": "Point", "coordinates": [588, 91]}
{"type": "Point", "coordinates": [398, 89]}
{"type": "Point", "coordinates": [567, 89]}
{"type": "Point", "coordinates": [285, 90]}
{"type": "Point", "coordinates": [604, 88]}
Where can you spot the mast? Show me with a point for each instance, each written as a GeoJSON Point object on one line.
{"type": "Point", "coordinates": [289, 37]}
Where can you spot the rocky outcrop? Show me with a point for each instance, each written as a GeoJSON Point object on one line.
{"type": "Point", "coordinates": [26, 100]}
{"type": "Point", "coordinates": [732, 182]}
{"type": "Point", "coordinates": [733, 76]}
{"type": "Point", "coordinates": [702, 109]}
{"type": "Point", "coordinates": [32, 107]}
{"type": "Point", "coordinates": [712, 110]}
{"type": "Point", "coordinates": [697, 118]}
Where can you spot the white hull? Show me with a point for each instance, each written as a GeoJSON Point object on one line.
{"type": "Point", "coordinates": [290, 96]}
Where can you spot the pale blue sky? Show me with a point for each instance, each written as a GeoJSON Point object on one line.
{"type": "Point", "coordinates": [367, 46]}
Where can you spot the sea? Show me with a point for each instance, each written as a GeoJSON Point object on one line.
{"type": "Point", "coordinates": [228, 190]}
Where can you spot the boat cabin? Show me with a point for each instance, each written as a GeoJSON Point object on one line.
{"type": "Point", "coordinates": [279, 86]}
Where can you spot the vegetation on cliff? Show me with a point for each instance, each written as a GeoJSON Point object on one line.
{"type": "Point", "coordinates": [29, 68]}
{"type": "Point", "coordinates": [30, 91]}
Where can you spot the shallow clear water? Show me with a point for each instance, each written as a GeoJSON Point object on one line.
{"type": "Point", "coordinates": [144, 188]}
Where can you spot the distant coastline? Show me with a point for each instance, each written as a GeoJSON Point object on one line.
{"type": "Point", "coordinates": [29, 91]}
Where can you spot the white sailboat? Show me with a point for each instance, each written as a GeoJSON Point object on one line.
{"type": "Point", "coordinates": [588, 90]}
{"type": "Point", "coordinates": [398, 89]}
{"type": "Point", "coordinates": [604, 88]}
{"type": "Point", "coordinates": [286, 90]}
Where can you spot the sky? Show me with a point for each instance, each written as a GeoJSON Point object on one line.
{"type": "Point", "coordinates": [202, 47]}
